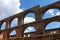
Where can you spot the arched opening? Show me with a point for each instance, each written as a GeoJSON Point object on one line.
{"type": "Point", "coordinates": [12, 34]}
{"type": "Point", "coordinates": [30, 17]}
{"type": "Point", "coordinates": [14, 22]}
{"type": "Point", "coordinates": [53, 25]}
{"type": "Point", "coordinates": [29, 29]}
{"type": "Point", "coordinates": [3, 26]}
{"type": "Point", "coordinates": [51, 13]}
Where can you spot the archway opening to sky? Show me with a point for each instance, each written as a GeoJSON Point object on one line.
{"type": "Point", "coordinates": [51, 13]}
{"type": "Point", "coordinates": [30, 17]}
{"type": "Point", "coordinates": [13, 32]}
{"type": "Point", "coordinates": [53, 25]}
{"type": "Point", "coordinates": [29, 29]}
{"type": "Point", "coordinates": [14, 22]}
{"type": "Point", "coordinates": [3, 26]}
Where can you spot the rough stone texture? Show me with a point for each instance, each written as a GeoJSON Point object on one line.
{"type": "Point", "coordinates": [39, 24]}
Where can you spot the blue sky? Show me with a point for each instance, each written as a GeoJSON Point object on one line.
{"type": "Point", "coordinates": [15, 6]}
{"type": "Point", "coordinates": [26, 4]}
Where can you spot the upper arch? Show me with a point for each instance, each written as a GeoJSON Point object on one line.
{"type": "Point", "coordinates": [50, 7]}
{"type": "Point", "coordinates": [14, 22]}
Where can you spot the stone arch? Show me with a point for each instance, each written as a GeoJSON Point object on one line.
{"type": "Point", "coordinates": [30, 17]}
{"type": "Point", "coordinates": [29, 29]}
{"type": "Point", "coordinates": [13, 32]}
{"type": "Point", "coordinates": [28, 11]}
{"type": "Point", "coordinates": [53, 25]}
{"type": "Point", "coordinates": [50, 7]}
{"type": "Point", "coordinates": [47, 21]}
{"type": "Point", "coordinates": [3, 26]}
{"type": "Point", "coordinates": [14, 22]}
{"type": "Point", "coordinates": [31, 10]}
{"type": "Point", "coordinates": [51, 13]}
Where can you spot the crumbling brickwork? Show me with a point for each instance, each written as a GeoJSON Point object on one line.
{"type": "Point", "coordinates": [39, 24]}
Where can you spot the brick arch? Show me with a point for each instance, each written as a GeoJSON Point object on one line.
{"type": "Point", "coordinates": [28, 13]}
{"type": "Point", "coordinates": [12, 31]}
{"type": "Point", "coordinates": [9, 31]}
{"type": "Point", "coordinates": [18, 32]}
{"type": "Point", "coordinates": [52, 27]}
{"type": "Point", "coordinates": [12, 21]}
{"type": "Point", "coordinates": [27, 27]}
{"type": "Point", "coordinates": [32, 10]}
{"type": "Point", "coordinates": [51, 22]}
{"type": "Point", "coordinates": [2, 24]}
{"type": "Point", "coordinates": [33, 19]}
{"type": "Point", "coordinates": [9, 21]}
{"type": "Point", "coordinates": [47, 21]}
{"type": "Point", "coordinates": [21, 18]}
{"type": "Point", "coordinates": [49, 7]}
{"type": "Point", "coordinates": [55, 9]}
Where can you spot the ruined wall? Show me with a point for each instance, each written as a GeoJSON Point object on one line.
{"type": "Point", "coordinates": [39, 24]}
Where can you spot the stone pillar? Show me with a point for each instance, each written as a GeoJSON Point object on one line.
{"type": "Point", "coordinates": [20, 21]}
{"type": "Point", "coordinates": [8, 24]}
{"type": "Point", "coordinates": [37, 14]}
{"type": "Point", "coordinates": [6, 34]}
{"type": "Point", "coordinates": [0, 25]}
{"type": "Point", "coordinates": [19, 32]}
{"type": "Point", "coordinates": [43, 27]}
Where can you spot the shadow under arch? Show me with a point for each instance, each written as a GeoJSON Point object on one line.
{"type": "Point", "coordinates": [53, 25]}
{"type": "Point", "coordinates": [14, 22]}
{"type": "Point", "coordinates": [3, 26]}
{"type": "Point", "coordinates": [29, 17]}
{"type": "Point", "coordinates": [51, 13]}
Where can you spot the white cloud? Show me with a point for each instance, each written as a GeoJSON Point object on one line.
{"type": "Point", "coordinates": [57, 13]}
{"type": "Point", "coordinates": [30, 29]}
{"type": "Point", "coordinates": [28, 20]}
{"type": "Point", "coordinates": [9, 7]}
{"type": "Point", "coordinates": [51, 11]}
